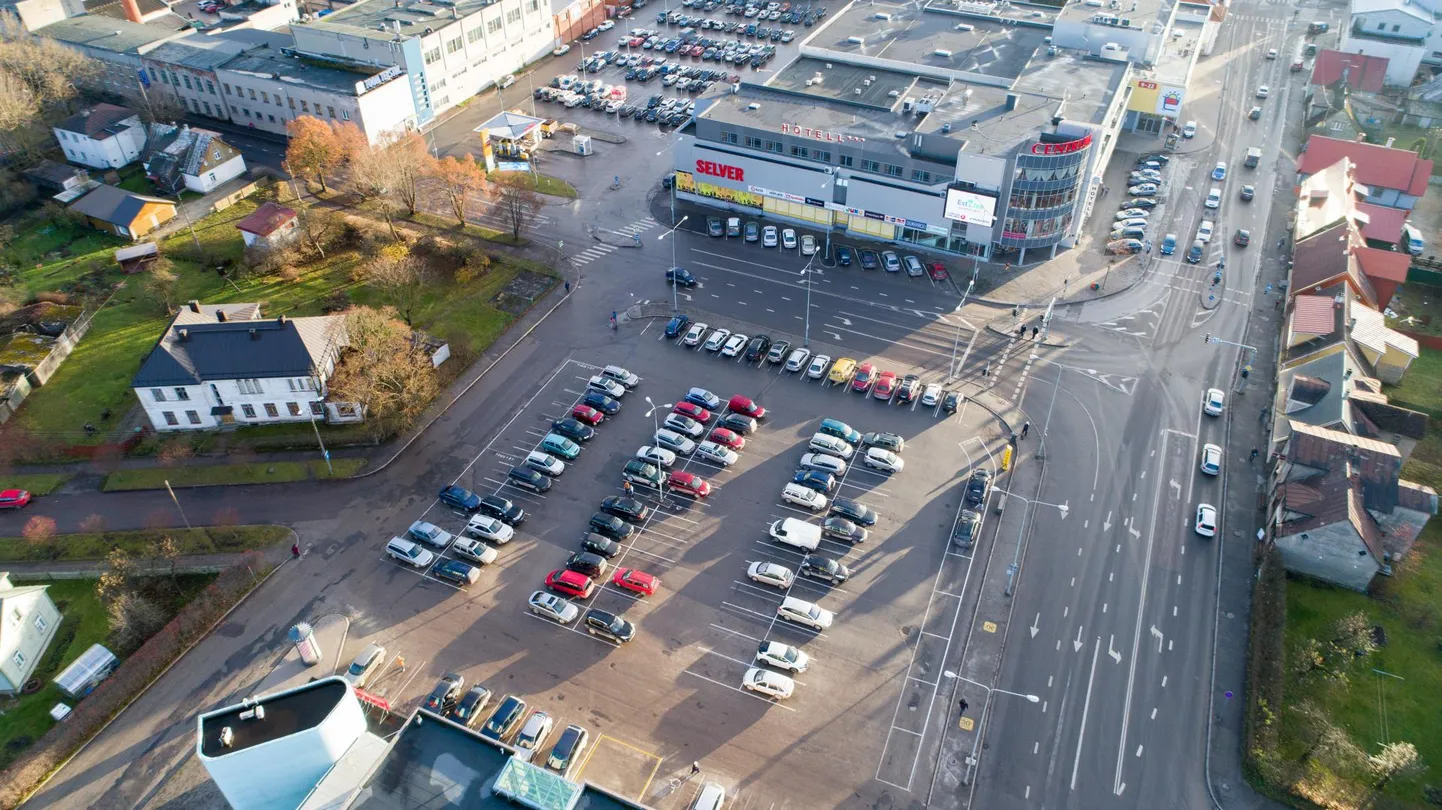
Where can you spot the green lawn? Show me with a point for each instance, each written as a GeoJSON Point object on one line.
{"type": "Point", "coordinates": [1422, 304]}
{"type": "Point", "coordinates": [210, 475]}
{"type": "Point", "coordinates": [96, 545]}
{"type": "Point", "coordinates": [34, 483]}
{"type": "Point", "coordinates": [546, 184]}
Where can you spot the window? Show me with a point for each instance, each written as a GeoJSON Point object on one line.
{"type": "Point", "coordinates": [227, 88]}
{"type": "Point", "coordinates": [870, 165]}
{"type": "Point", "coordinates": [163, 78]}
{"type": "Point", "coordinates": [186, 79]}
{"type": "Point", "coordinates": [1381, 26]}
{"type": "Point", "coordinates": [492, 26]}
{"type": "Point", "coordinates": [316, 408]}
{"type": "Point", "coordinates": [775, 146]}
{"type": "Point", "coordinates": [182, 394]}
{"type": "Point", "coordinates": [277, 99]}
{"type": "Point", "coordinates": [534, 5]}
{"type": "Point", "coordinates": [15, 615]}
{"type": "Point", "coordinates": [921, 176]}
{"type": "Point", "coordinates": [1396, 28]}
{"type": "Point", "coordinates": [248, 411]}
{"type": "Point", "coordinates": [209, 87]}
{"type": "Point", "coordinates": [271, 411]}
{"type": "Point", "coordinates": [304, 107]}
{"type": "Point", "coordinates": [513, 16]}
{"type": "Point", "coordinates": [174, 79]}
{"type": "Point", "coordinates": [824, 157]}
{"type": "Point", "coordinates": [19, 658]}
{"type": "Point", "coordinates": [894, 171]}
{"type": "Point", "coordinates": [207, 108]}
{"type": "Point", "coordinates": [474, 35]}
{"type": "Point", "coordinates": [252, 93]}
{"type": "Point", "coordinates": [170, 418]}
{"type": "Point", "coordinates": [157, 394]}
{"type": "Point", "coordinates": [345, 115]}
{"type": "Point", "coordinates": [194, 105]}
{"type": "Point", "coordinates": [293, 408]}
{"type": "Point", "coordinates": [192, 417]}
{"type": "Point", "coordinates": [290, 101]}
{"type": "Point", "coordinates": [40, 623]}
{"type": "Point", "coordinates": [754, 142]}
{"type": "Point", "coordinates": [454, 45]}
{"type": "Point", "coordinates": [248, 386]}
{"type": "Point", "coordinates": [800, 151]}
{"type": "Point", "coordinates": [330, 110]}
{"type": "Point", "coordinates": [265, 97]}
{"type": "Point", "coordinates": [728, 137]}
{"type": "Point", "coordinates": [246, 110]}
{"type": "Point", "coordinates": [234, 110]}
{"type": "Point", "coordinates": [846, 161]}
{"type": "Point", "coordinates": [433, 56]}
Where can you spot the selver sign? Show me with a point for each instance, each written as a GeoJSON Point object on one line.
{"type": "Point", "coordinates": [720, 170]}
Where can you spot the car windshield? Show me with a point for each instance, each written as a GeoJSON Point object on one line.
{"type": "Point", "coordinates": [814, 612]}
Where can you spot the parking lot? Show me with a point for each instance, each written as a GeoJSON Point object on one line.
{"type": "Point", "coordinates": [866, 705]}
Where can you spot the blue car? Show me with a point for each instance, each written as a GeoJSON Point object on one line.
{"type": "Point", "coordinates": [843, 255]}
{"type": "Point", "coordinates": [1169, 244]}
{"type": "Point", "coordinates": [460, 498]}
{"type": "Point", "coordinates": [822, 482]}
{"type": "Point", "coordinates": [601, 402]}
{"type": "Point", "coordinates": [677, 325]}
{"type": "Point", "coordinates": [1220, 173]}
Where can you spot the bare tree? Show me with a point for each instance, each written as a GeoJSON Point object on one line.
{"type": "Point", "coordinates": [1396, 760]}
{"type": "Point", "coordinates": [410, 163]}
{"type": "Point", "coordinates": [115, 579]}
{"type": "Point", "coordinates": [1325, 740]}
{"type": "Point", "coordinates": [133, 619]}
{"type": "Point", "coordinates": [399, 276]}
{"type": "Point", "coordinates": [161, 281]}
{"type": "Point", "coordinates": [460, 179]}
{"type": "Point", "coordinates": [375, 178]}
{"type": "Point", "coordinates": [383, 369]}
{"type": "Point", "coordinates": [93, 524]}
{"type": "Point", "coordinates": [516, 201]}
{"type": "Point", "coordinates": [1352, 635]}
{"type": "Point", "coordinates": [165, 556]}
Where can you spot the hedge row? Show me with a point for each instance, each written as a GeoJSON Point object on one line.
{"type": "Point", "coordinates": [136, 673]}
{"type": "Point", "coordinates": [1266, 676]}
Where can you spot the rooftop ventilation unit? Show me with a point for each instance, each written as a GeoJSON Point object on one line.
{"type": "Point", "coordinates": [942, 52]}
{"type": "Point", "coordinates": [753, 106]}
{"type": "Point", "coordinates": [882, 15]}
{"type": "Point", "coordinates": [856, 40]}
{"type": "Point", "coordinates": [970, 27]}
{"type": "Point", "coordinates": [865, 82]}
{"type": "Point", "coordinates": [908, 104]}
{"type": "Point", "coordinates": [1011, 100]}
{"type": "Point", "coordinates": [858, 91]}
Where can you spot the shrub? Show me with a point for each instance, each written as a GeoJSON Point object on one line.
{"type": "Point", "coordinates": [50, 297]}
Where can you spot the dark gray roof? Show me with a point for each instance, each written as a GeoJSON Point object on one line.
{"type": "Point", "coordinates": [114, 205]}
{"type": "Point", "coordinates": [199, 52]}
{"type": "Point", "coordinates": [189, 352]}
{"type": "Point", "coordinates": [98, 122]}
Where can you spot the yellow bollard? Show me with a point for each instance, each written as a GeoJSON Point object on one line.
{"type": "Point", "coordinates": [1006, 459]}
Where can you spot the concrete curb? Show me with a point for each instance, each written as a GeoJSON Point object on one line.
{"type": "Point", "coordinates": [1050, 344]}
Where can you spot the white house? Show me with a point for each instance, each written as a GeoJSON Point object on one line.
{"type": "Point", "coordinates": [28, 621]}
{"type": "Point", "coordinates": [195, 159]}
{"type": "Point", "coordinates": [269, 226]}
{"type": "Point", "coordinates": [223, 364]}
{"type": "Point", "coordinates": [103, 137]}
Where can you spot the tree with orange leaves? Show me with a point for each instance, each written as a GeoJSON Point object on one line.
{"type": "Point", "coordinates": [313, 148]}
{"type": "Point", "coordinates": [459, 179]}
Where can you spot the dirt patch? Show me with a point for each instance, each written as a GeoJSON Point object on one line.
{"type": "Point", "coordinates": [522, 291]}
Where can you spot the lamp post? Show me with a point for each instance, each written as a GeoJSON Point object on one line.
{"type": "Point", "coordinates": [981, 725]}
{"type": "Point", "coordinates": [952, 370]}
{"type": "Point", "coordinates": [655, 423]}
{"type": "Point", "coordinates": [675, 294]}
{"type": "Point", "coordinates": [1011, 570]}
{"type": "Point", "coordinates": [805, 272]}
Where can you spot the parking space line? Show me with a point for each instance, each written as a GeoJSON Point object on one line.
{"type": "Point", "coordinates": [735, 632]}
{"type": "Point", "coordinates": [745, 692]}
{"type": "Point", "coordinates": [746, 610]}
{"type": "Point", "coordinates": [908, 731]}
{"type": "Point", "coordinates": [918, 680]}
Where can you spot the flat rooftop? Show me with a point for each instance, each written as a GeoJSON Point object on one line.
{"type": "Point", "coordinates": [302, 71]}
{"type": "Point", "coordinates": [415, 16]}
{"type": "Point", "coordinates": [1137, 14]}
{"type": "Point", "coordinates": [117, 36]}
{"type": "Point", "coordinates": [932, 38]}
{"type": "Point", "coordinates": [287, 713]}
{"type": "Point", "coordinates": [1087, 84]}
{"type": "Point", "coordinates": [198, 52]}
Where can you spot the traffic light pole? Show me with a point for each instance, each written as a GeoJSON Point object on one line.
{"type": "Point", "coordinates": [1252, 353]}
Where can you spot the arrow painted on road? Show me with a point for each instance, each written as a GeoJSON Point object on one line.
{"type": "Point", "coordinates": [1116, 656]}
{"type": "Point", "coordinates": [835, 335]}
{"type": "Point", "coordinates": [1077, 645]}
{"type": "Point", "coordinates": [1132, 527]}
{"type": "Point", "coordinates": [1064, 509]}
{"type": "Point", "coordinates": [844, 321]}
{"type": "Point", "coordinates": [1177, 487]}
{"type": "Point", "coordinates": [1158, 634]}
{"type": "Point", "coordinates": [1034, 629]}
{"type": "Point", "coordinates": [1107, 526]}
{"type": "Point", "coordinates": [687, 296]}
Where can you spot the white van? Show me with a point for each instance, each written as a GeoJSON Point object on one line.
{"type": "Point", "coordinates": [805, 613]}
{"type": "Point", "coordinates": [711, 797]}
{"type": "Point", "coordinates": [803, 496]}
{"type": "Point", "coordinates": [409, 553]}
{"type": "Point", "coordinates": [796, 533]}
{"type": "Point", "coordinates": [1189, 130]}
{"type": "Point", "coordinates": [1412, 239]}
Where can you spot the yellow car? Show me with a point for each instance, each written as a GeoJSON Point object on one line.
{"type": "Point", "coordinates": [842, 370]}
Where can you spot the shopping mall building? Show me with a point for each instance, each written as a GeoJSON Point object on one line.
{"type": "Point", "coordinates": [964, 127]}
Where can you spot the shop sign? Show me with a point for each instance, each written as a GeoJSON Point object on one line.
{"type": "Point", "coordinates": [938, 230]}
{"type": "Point", "coordinates": [891, 220]}
{"type": "Point", "coordinates": [1062, 148]}
{"type": "Point", "coordinates": [815, 202]}
{"type": "Point", "coordinates": [820, 134]}
{"type": "Point", "coordinates": [715, 169]}
{"type": "Point", "coordinates": [775, 195]}
{"type": "Point", "coordinates": [382, 77]}
{"type": "Point", "coordinates": [1013, 235]}
{"type": "Point", "coordinates": [873, 215]}
{"type": "Point", "coordinates": [1145, 85]}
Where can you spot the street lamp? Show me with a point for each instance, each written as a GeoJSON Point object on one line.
{"type": "Point", "coordinates": [952, 370]}
{"type": "Point", "coordinates": [1011, 570]}
{"type": "Point", "coordinates": [805, 271]}
{"type": "Point", "coordinates": [981, 725]}
{"type": "Point", "coordinates": [655, 423]}
{"type": "Point", "coordinates": [675, 294]}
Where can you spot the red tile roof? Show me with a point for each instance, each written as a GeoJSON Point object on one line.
{"type": "Point", "coordinates": [1312, 315]}
{"type": "Point", "coordinates": [265, 219]}
{"type": "Point", "coordinates": [1380, 166]}
{"type": "Point", "coordinates": [1363, 73]}
{"type": "Point", "coordinates": [1383, 223]}
{"type": "Point", "coordinates": [1383, 264]}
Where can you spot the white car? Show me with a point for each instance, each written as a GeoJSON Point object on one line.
{"type": "Point", "coordinates": [683, 424]}
{"type": "Point", "coordinates": [659, 456]}
{"type": "Point", "coordinates": [717, 453]}
{"type": "Point", "coordinates": [1189, 130]}
{"type": "Point", "coordinates": [1206, 520]}
{"type": "Point", "coordinates": [717, 340]}
{"type": "Point", "coordinates": [826, 443]}
{"type": "Point", "coordinates": [545, 463]}
{"type": "Point", "coordinates": [429, 533]}
{"type": "Point", "coordinates": [489, 528]}
{"type": "Point", "coordinates": [553, 607]}
{"type": "Point", "coordinates": [1134, 222]}
{"type": "Point", "coordinates": [475, 551]}
{"type": "Point", "coordinates": [768, 573]}
{"type": "Point", "coordinates": [1271, 53]}
{"type": "Point", "coordinates": [771, 684]}
{"type": "Point", "coordinates": [607, 386]}
{"type": "Point", "coordinates": [1215, 402]}
{"type": "Point", "coordinates": [1142, 189]}
{"type": "Point", "coordinates": [931, 397]}
{"type": "Point", "coordinates": [1263, 91]}
{"type": "Point", "coordinates": [695, 334]}
{"type": "Point", "coordinates": [606, 25]}
{"type": "Point", "coordinates": [1214, 199]}
{"type": "Point", "coordinates": [799, 611]}
{"type": "Point", "coordinates": [1211, 459]}
{"type": "Point", "coordinates": [561, 50]}
{"type": "Point", "coordinates": [882, 460]}
{"type": "Point", "coordinates": [804, 497]}
{"type": "Point", "coordinates": [808, 245]}
{"type": "Point", "coordinates": [675, 442]}
{"type": "Point", "coordinates": [797, 360]}
{"type": "Point", "coordinates": [788, 239]}
{"type": "Point", "coordinates": [1204, 231]}
{"type": "Point", "coordinates": [782, 656]}
{"type": "Point", "coordinates": [821, 462]}
{"type": "Point", "coordinates": [818, 366]}
{"type": "Point", "coordinates": [1133, 213]}
{"type": "Point", "coordinates": [734, 346]}
{"type": "Point", "coordinates": [768, 236]}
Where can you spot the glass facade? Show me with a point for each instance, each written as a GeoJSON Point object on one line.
{"type": "Point", "coordinates": [1046, 191]}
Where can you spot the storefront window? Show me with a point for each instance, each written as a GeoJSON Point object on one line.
{"type": "Point", "coordinates": [686, 182]}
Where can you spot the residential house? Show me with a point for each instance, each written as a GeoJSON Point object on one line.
{"type": "Point", "coordinates": [268, 226]}
{"type": "Point", "coordinates": [179, 157]}
{"type": "Point", "coordinates": [1339, 511]}
{"type": "Point", "coordinates": [1356, 71]}
{"type": "Point", "coordinates": [1333, 391]}
{"type": "Point", "coordinates": [1331, 320]}
{"type": "Point", "coordinates": [1422, 105]}
{"type": "Point", "coordinates": [1382, 226]}
{"type": "Point", "coordinates": [1392, 177]}
{"type": "Point", "coordinates": [218, 365]}
{"type": "Point", "coordinates": [50, 177]}
{"type": "Point", "coordinates": [123, 213]}
{"type": "Point", "coordinates": [103, 137]}
{"type": "Point", "coordinates": [1327, 257]}
{"type": "Point", "coordinates": [1399, 30]}
{"type": "Point", "coordinates": [28, 621]}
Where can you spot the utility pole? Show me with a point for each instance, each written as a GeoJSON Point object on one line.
{"type": "Point", "coordinates": [323, 452]}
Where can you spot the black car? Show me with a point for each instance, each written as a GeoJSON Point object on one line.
{"type": "Point", "coordinates": [610, 525]}
{"type": "Point", "coordinates": [819, 567]}
{"type": "Point", "coordinates": [909, 386]}
{"type": "Point", "coordinates": [567, 748]}
{"type": "Point", "coordinates": [468, 709]}
{"type": "Point", "coordinates": [502, 510]}
{"type": "Point", "coordinates": [967, 527]}
{"type": "Point", "coordinates": [869, 261]}
{"type": "Point", "coordinates": [738, 423]}
{"type": "Point", "coordinates": [886, 441]}
{"type": "Point", "coordinates": [714, 227]}
{"type": "Point", "coordinates": [505, 719]}
{"type": "Point", "coordinates": [822, 482]}
{"type": "Point", "coordinates": [681, 276]}
{"type": "Point", "coordinates": [854, 511]}
{"type": "Point", "coordinates": [460, 498]}
{"type": "Point", "coordinates": [1159, 158]}
{"type": "Point", "coordinates": [444, 696]}
{"type": "Point", "coordinates": [573, 429]}
{"type": "Point", "coordinates": [978, 487]}
{"type": "Point", "coordinates": [840, 528]}
{"type": "Point", "coordinates": [585, 562]}
{"type": "Point", "coordinates": [757, 348]}
{"type": "Point", "coordinates": [626, 508]}
{"type": "Point", "coordinates": [778, 352]}
{"type": "Point", "coordinates": [609, 626]}
{"type": "Point", "coordinates": [677, 324]}
{"type": "Point", "coordinates": [600, 544]}
{"type": "Point", "coordinates": [527, 478]}
{"type": "Point", "coordinates": [1147, 203]}
{"type": "Point", "coordinates": [843, 255]}
{"type": "Point", "coordinates": [601, 402]}
{"type": "Point", "coordinates": [952, 402]}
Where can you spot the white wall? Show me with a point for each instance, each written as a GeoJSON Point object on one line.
{"type": "Point", "coordinates": [1403, 59]}
{"type": "Point", "coordinates": [472, 53]}
{"type": "Point", "coordinates": [118, 150]}
{"type": "Point", "coordinates": [377, 112]}
{"type": "Point", "coordinates": [278, 392]}
{"type": "Point", "coordinates": [208, 180]}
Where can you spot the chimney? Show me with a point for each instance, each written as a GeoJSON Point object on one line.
{"type": "Point", "coordinates": [184, 335]}
{"type": "Point", "coordinates": [281, 320]}
{"type": "Point", "coordinates": [1011, 100]}
{"type": "Point", "coordinates": [194, 306]}
{"type": "Point", "coordinates": [220, 315]}
{"type": "Point", "coordinates": [132, 10]}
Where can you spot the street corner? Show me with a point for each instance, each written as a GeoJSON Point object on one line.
{"type": "Point", "coordinates": [620, 767]}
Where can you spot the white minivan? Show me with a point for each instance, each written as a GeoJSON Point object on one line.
{"type": "Point", "coordinates": [826, 443]}
{"type": "Point", "coordinates": [796, 533]}
{"type": "Point", "coordinates": [1214, 198]}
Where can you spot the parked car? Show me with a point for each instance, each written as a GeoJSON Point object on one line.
{"type": "Point", "coordinates": [456, 572]}
{"type": "Point", "coordinates": [967, 527]}
{"type": "Point", "coordinates": [505, 719]}
{"type": "Point", "coordinates": [365, 665]}
{"type": "Point", "coordinates": [781, 656]}
{"type": "Point", "coordinates": [611, 526]}
{"type": "Point", "coordinates": [527, 478]}
{"type": "Point", "coordinates": [573, 430]}
{"type": "Point", "coordinates": [470, 706]}
{"type": "Point", "coordinates": [840, 528]}
{"type": "Point", "coordinates": [765, 682]}
{"type": "Point", "coordinates": [430, 534]}
{"type": "Point", "coordinates": [490, 528]}
{"type": "Point", "coordinates": [609, 626]}
{"type": "Point", "coordinates": [824, 568]}
{"type": "Point", "coordinates": [629, 509]}
{"type": "Point", "coordinates": [587, 415]}
{"type": "Point", "coordinates": [769, 573]}
{"type": "Point", "coordinates": [1206, 524]}
{"type": "Point", "coordinates": [636, 581]}
{"type": "Point", "coordinates": [409, 552]}
{"type": "Point", "coordinates": [14, 499]}
{"type": "Point", "coordinates": [445, 694]}
{"type": "Point", "coordinates": [978, 487]}
{"type": "Point", "coordinates": [568, 749]}
{"type": "Point", "coordinates": [460, 498]}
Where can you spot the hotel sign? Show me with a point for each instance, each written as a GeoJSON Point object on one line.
{"type": "Point", "coordinates": [820, 134]}
{"type": "Point", "coordinates": [1062, 148]}
{"type": "Point", "coordinates": [721, 170]}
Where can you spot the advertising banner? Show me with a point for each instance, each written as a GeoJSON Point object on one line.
{"type": "Point", "coordinates": [970, 207]}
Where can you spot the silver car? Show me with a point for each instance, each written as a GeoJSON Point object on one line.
{"type": "Point", "coordinates": [553, 607]}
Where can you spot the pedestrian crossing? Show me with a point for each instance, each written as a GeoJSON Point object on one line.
{"type": "Point", "coordinates": [592, 253]}
{"type": "Point", "coordinates": [638, 227]}
{"type": "Point", "coordinates": [600, 249]}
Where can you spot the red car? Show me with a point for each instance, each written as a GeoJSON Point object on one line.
{"type": "Point", "coordinates": [570, 583]}
{"type": "Point", "coordinates": [587, 414]}
{"type": "Point", "coordinates": [688, 484]}
{"type": "Point", "coordinates": [864, 374]}
{"type": "Point", "coordinates": [938, 271]}
{"type": "Point", "coordinates": [728, 437]}
{"type": "Point", "coordinates": [692, 410]}
{"type": "Point", "coordinates": [14, 498]}
{"type": "Point", "coordinates": [746, 407]}
{"type": "Point", "coordinates": [636, 581]}
{"type": "Point", "coordinates": [885, 385]}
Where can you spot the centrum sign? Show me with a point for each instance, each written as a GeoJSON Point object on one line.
{"type": "Point", "coordinates": [1062, 148]}
{"type": "Point", "coordinates": [720, 170]}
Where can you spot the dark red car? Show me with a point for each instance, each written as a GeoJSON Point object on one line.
{"type": "Point", "coordinates": [746, 407]}
{"type": "Point", "coordinates": [587, 414]}
{"type": "Point", "coordinates": [688, 484]}
{"type": "Point", "coordinates": [938, 271]}
{"type": "Point", "coordinates": [730, 438]}
{"type": "Point", "coordinates": [570, 583]}
{"type": "Point", "coordinates": [885, 385]}
{"type": "Point", "coordinates": [14, 498]}
{"type": "Point", "coordinates": [865, 373]}
{"type": "Point", "coordinates": [692, 410]}
{"type": "Point", "coordinates": [636, 581]}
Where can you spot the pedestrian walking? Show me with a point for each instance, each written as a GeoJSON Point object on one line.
{"type": "Point", "coordinates": [626, 487]}
{"type": "Point", "coordinates": [1020, 329]}
{"type": "Point", "coordinates": [986, 369]}
{"type": "Point", "coordinates": [295, 551]}
{"type": "Point", "coordinates": [964, 705]}
{"type": "Point", "coordinates": [695, 768]}
{"type": "Point", "coordinates": [1268, 290]}
{"type": "Point", "coordinates": [1263, 416]}
{"type": "Point", "coordinates": [568, 287]}
{"type": "Point", "coordinates": [1253, 457]}
{"type": "Point", "coordinates": [1035, 330]}
{"type": "Point", "coordinates": [1007, 267]}
{"type": "Point", "coordinates": [1025, 429]}
{"type": "Point", "coordinates": [1277, 304]}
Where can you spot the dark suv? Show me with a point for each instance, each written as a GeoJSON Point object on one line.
{"type": "Point", "coordinates": [628, 509]}
{"type": "Point", "coordinates": [967, 527]}
{"type": "Point", "coordinates": [444, 696]}
{"type": "Point", "coordinates": [502, 509]}
{"type": "Point", "coordinates": [584, 562]}
{"type": "Point", "coordinates": [978, 487]}
{"type": "Point", "coordinates": [609, 626]}
{"type": "Point", "coordinates": [757, 348]}
{"type": "Point", "coordinates": [610, 525]}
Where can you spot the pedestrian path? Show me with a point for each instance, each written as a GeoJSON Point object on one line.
{"type": "Point", "coordinates": [592, 253]}
{"type": "Point", "coordinates": [638, 227]}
